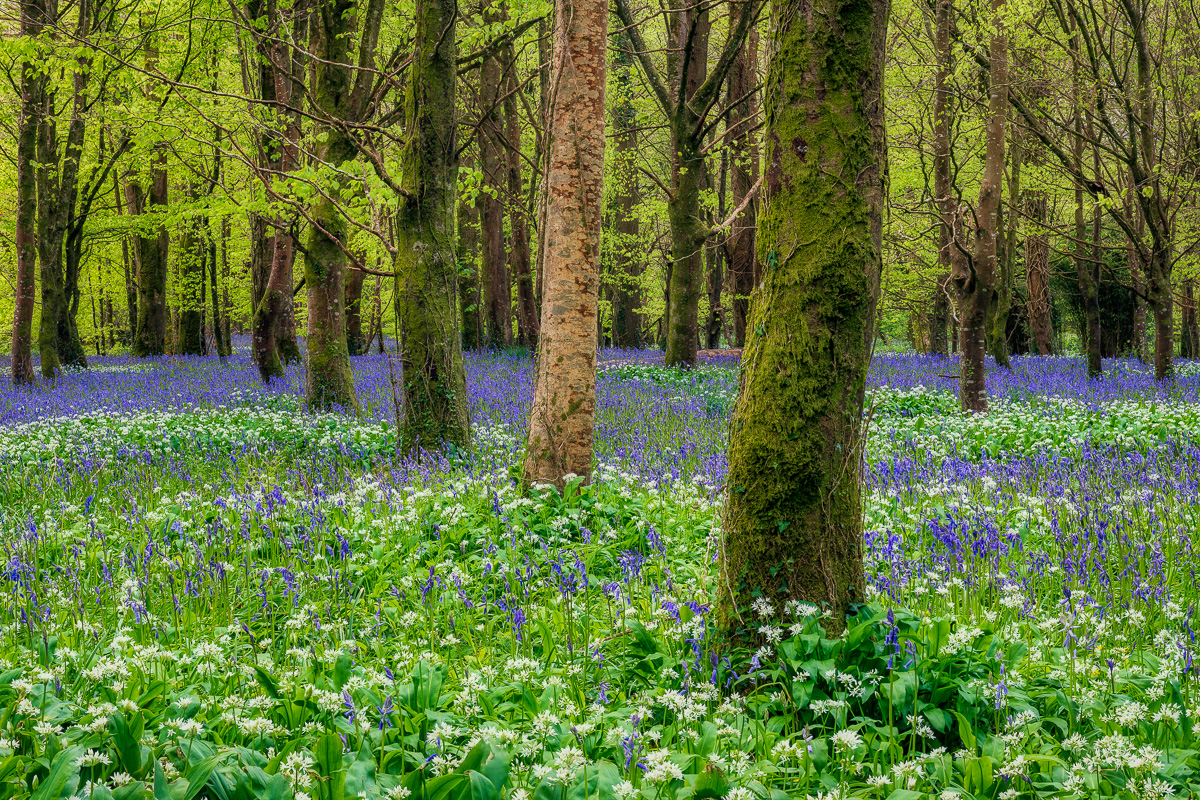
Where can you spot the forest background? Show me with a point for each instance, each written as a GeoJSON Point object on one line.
{"type": "Point", "coordinates": [171, 152]}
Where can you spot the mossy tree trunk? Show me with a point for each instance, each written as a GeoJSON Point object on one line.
{"type": "Point", "coordinates": [562, 418]}
{"type": "Point", "coordinates": [792, 526]}
{"type": "Point", "coordinates": [427, 304]}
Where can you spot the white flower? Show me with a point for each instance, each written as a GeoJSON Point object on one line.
{"type": "Point", "coordinates": [91, 758]}
{"type": "Point", "coordinates": [624, 790]}
{"type": "Point", "coordinates": [846, 742]}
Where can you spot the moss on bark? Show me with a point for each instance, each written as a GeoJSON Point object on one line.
{"type": "Point", "coordinates": [792, 529]}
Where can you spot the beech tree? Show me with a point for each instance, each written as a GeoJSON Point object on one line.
{"type": "Point", "coordinates": [564, 397]}
{"type": "Point", "coordinates": [793, 519]}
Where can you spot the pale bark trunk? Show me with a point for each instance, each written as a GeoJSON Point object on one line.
{"type": "Point", "coordinates": [562, 417]}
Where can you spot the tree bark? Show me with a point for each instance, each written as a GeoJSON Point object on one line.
{"type": "Point", "coordinates": [951, 256]}
{"type": "Point", "coordinates": [32, 87]}
{"type": "Point", "coordinates": [150, 337]}
{"type": "Point", "coordinates": [622, 238]}
{"type": "Point", "coordinates": [792, 526]}
{"type": "Point", "coordinates": [563, 414]}
{"type": "Point", "coordinates": [356, 345]}
{"type": "Point", "coordinates": [338, 98]}
{"type": "Point", "coordinates": [468, 276]}
{"type": "Point", "coordinates": [518, 226]}
{"type": "Point", "coordinates": [497, 292]}
{"type": "Point", "coordinates": [743, 174]}
{"type": "Point", "coordinates": [976, 283]}
{"type": "Point", "coordinates": [427, 316]}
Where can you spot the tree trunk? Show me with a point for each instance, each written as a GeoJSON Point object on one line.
{"type": "Point", "coordinates": [433, 379]}
{"type": "Point", "coordinates": [468, 276]}
{"type": "Point", "coordinates": [520, 269]}
{"type": "Point", "coordinates": [497, 292]}
{"type": "Point", "coordinates": [32, 87]}
{"type": "Point", "coordinates": [191, 287]}
{"type": "Point", "coordinates": [689, 177]}
{"type": "Point", "coordinates": [951, 258]}
{"type": "Point", "coordinates": [792, 526]}
{"type": "Point", "coordinates": [977, 282]}
{"type": "Point", "coordinates": [150, 337]}
{"type": "Point", "coordinates": [330, 383]}
{"type": "Point", "coordinates": [742, 99]}
{"type": "Point", "coordinates": [355, 343]}
{"type": "Point", "coordinates": [939, 317]}
{"type": "Point", "coordinates": [1006, 260]}
{"type": "Point", "coordinates": [623, 233]}
{"type": "Point", "coordinates": [563, 414]}
{"type": "Point", "coordinates": [1037, 272]}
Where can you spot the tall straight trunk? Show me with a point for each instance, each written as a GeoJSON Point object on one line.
{"type": "Point", "coordinates": [150, 335]}
{"type": "Point", "coordinates": [792, 524]}
{"type": "Point", "coordinates": [977, 282]}
{"type": "Point", "coordinates": [58, 188]}
{"type": "Point", "coordinates": [518, 226]}
{"type": "Point", "coordinates": [1137, 276]}
{"type": "Point", "coordinates": [1006, 260]}
{"type": "Point", "coordinates": [1037, 272]}
{"type": "Point", "coordinates": [497, 292]}
{"type": "Point", "coordinates": [1084, 268]}
{"type": "Point", "coordinates": [1037, 241]}
{"type": "Point", "coordinates": [743, 173]}
{"type": "Point", "coordinates": [624, 232]}
{"type": "Point", "coordinates": [951, 258]}
{"type": "Point", "coordinates": [562, 418]}
{"type": "Point", "coordinates": [192, 247]}
{"type": "Point", "coordinates": [469, 301]}
{"type": "Point", "coordinates": [939, 317]}
{"type": "Point", "coordinates": [217, 315]}
{"type": "Point", "coordinates": [689, 179]}
{"type": "Point", "coordinates": [356, 344]}
{"type": "Point", "coordinates": [427, 317]}
{"type": "Point", "coordinates": [32, 86]}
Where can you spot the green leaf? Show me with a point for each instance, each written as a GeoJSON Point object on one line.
{"type": "Point", "coordinates": [199, 776]}
{"type": "Point", "coordinates": [268, 683]}
{"type": "Point", "coordinates": [328, 757]}
{"type": "Point", "coordinates": [711, 783]}
{"type": "Point", "coordinates": [60, 772]}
